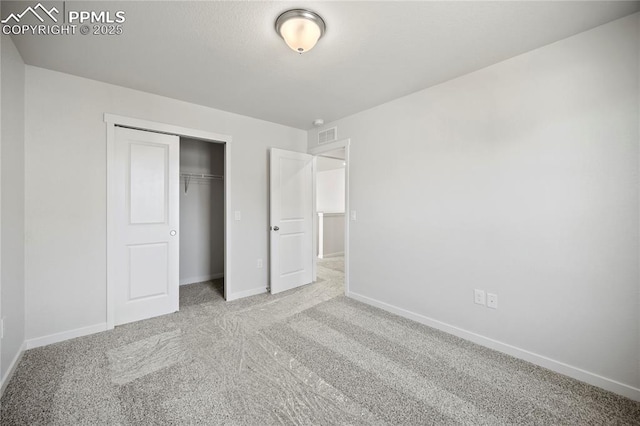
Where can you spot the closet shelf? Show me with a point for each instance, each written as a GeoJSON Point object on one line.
{"type": "Point", "coordinates": [188, 176]}
{"type": "Point", "coordinates": [201, 176]}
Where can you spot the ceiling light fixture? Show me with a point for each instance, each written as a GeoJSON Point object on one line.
{"type": "Point", "coordinates": [300, 29]}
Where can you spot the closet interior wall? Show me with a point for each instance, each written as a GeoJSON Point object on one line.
{"type": "Point", "coordinates": [201, 211]}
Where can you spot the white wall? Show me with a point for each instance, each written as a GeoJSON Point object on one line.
{"type": "Point", "coordinates": [520, 179]}
{"type": "Point", "coordinates": [330, 190]}
{"type": "Point", "coordinates": [201, 212]}
{"type": "Point", "coordinates": [331, 240]}
{"type": "Point", "coordinates": [12, 169]}
{"type": "Point", "coordinates": [66, 191]}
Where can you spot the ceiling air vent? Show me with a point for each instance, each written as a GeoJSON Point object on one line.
{"type": "Point", "coordinates": [329, 135]}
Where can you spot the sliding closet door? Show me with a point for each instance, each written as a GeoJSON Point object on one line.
{"type": "Point", "coordinates": [146, 249]}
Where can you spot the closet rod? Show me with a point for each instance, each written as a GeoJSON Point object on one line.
{"type": "Point", "coordinates": [201, 176]}
{"type": "Point", "coordinates": [188, 176]}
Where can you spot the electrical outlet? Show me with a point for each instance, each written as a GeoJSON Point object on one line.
{"type": "Point", "coordinates": [478, 296]}
{"type": "Point", "coordinates": [259, 264]}
{"type": "Point", "coordinates": [353, 215]}
{"type": "Point", "coordinates": [492, 301]}
{"type": "Point", "coordinates": [238, 215]}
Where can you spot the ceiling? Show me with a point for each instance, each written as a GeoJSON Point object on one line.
{"type": "Point", "coordinates": [331, 160]}
{"type": "Point", "coordinates": [338, 154]}
{"type": "Point", "coordinates": [226, 55]}
{"type": "Point", "coordinates": [324, 164]}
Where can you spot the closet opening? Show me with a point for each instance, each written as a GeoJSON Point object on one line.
{"type": "Point", "coordinates": [202, 221]}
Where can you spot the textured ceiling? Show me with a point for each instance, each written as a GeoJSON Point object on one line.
{"type": "Point", "coordinates": [226, 55]}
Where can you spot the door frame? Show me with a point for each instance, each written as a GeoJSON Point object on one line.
{"type": "Point", "coordinates": [113, 120]}
{"type": "Point", "coordinates": [319, 150]}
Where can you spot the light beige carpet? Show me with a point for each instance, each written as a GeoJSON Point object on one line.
{"type": "Point", "coordinates": [308, 356]}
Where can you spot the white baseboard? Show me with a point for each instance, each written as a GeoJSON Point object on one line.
{"type": "Point", "coordinates": [200, 279]}
{"type": "Point", "coordinates": [246, 293]}
{"type": "Point", "coordinates": [65, 335]}
{"type": "Point", "coordinates": [541, 360]}
{"type": "Point", "coordinates": [12, 368]}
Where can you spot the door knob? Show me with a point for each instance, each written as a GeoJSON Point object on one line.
{"type": "Point", "coordinates": [173, 233]}
{"type": "Point", "coordinates": [275, 228]}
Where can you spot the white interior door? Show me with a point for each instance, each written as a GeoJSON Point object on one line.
{"type": "Point", "coordinates": [146, 249]}
{"type": "Point", "coordinates": [291, 187]}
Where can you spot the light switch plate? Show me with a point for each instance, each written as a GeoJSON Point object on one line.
{"type": "Point", "coordinates": [238, 215]}
{"type": "Point", "coordinates": [353, 215]}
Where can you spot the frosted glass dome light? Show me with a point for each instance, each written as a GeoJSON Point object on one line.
{"type": "Point", "coordinates": [300, 29]}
